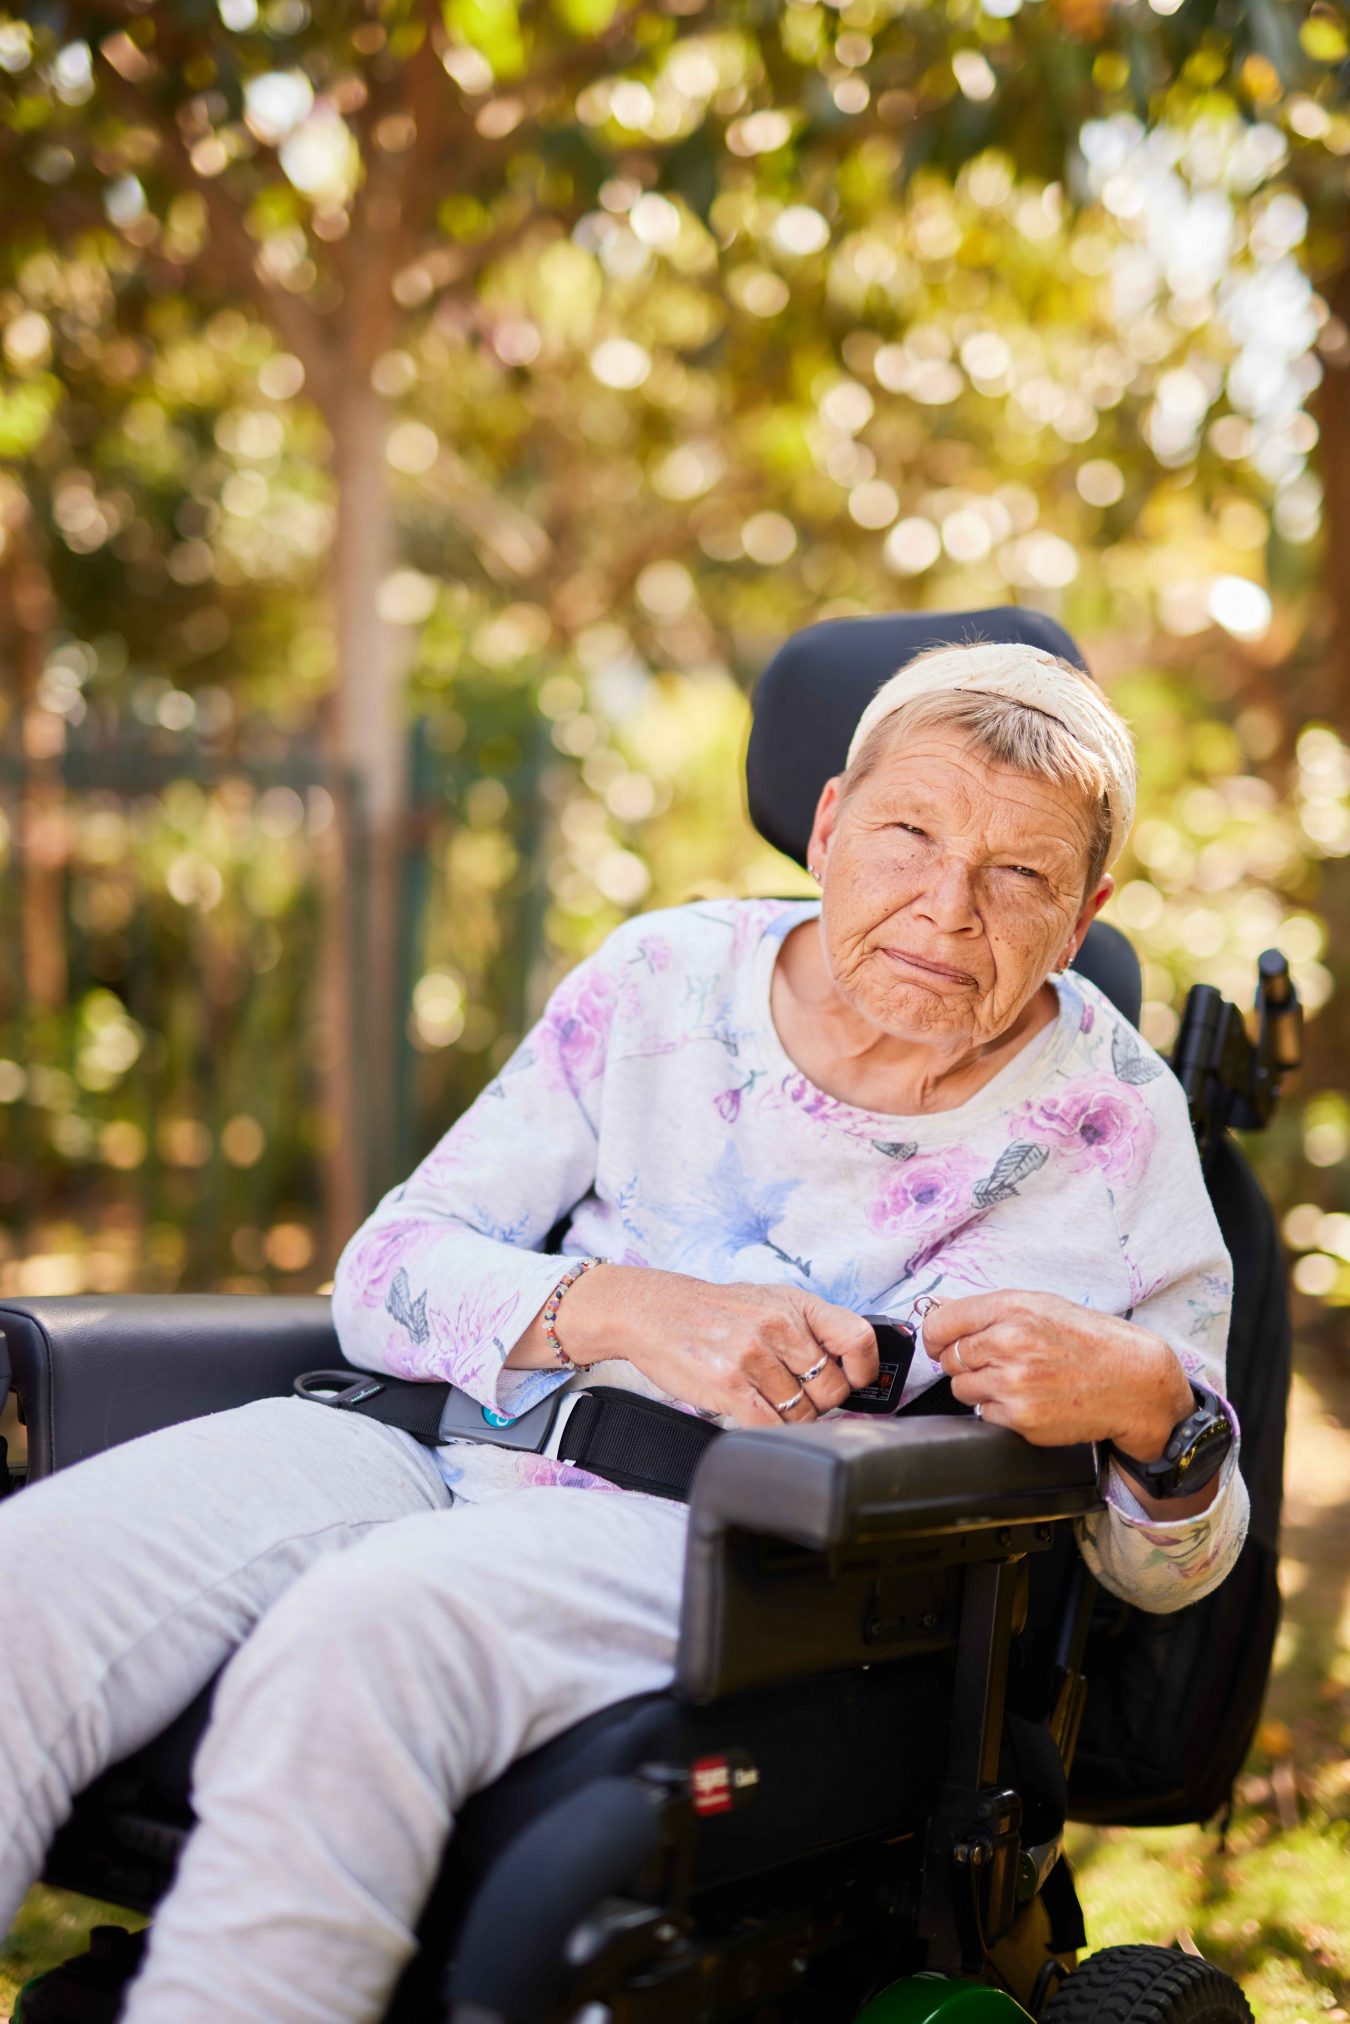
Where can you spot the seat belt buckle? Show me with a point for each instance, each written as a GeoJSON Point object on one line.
{"type": "Point", "coordinates": [532, 1432]}
{"type": "Point", "coordinates": [896, 1342]}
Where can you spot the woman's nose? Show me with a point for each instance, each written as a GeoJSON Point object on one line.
{"type": "Point", "coordinates": [948, 900]}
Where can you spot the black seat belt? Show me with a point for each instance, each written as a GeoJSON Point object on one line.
{"type": "Point", "coordinates": [635, 1442]}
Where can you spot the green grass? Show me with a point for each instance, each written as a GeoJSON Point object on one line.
{"type": "Point", "coordinates": [1274, 1910]}
{"type": "Point", "coordinates": [51, 1926]}
{"type": "Point", "coordinates": [1273, 1907]}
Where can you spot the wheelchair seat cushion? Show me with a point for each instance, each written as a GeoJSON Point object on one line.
{"type": "Point", "coordinates": [836, 1758]}
{"type": "Point", "coordinates": [846, 1759]}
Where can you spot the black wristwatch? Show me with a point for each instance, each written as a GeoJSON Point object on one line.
{"type": "Point", "coordinates": [1196, 1450]}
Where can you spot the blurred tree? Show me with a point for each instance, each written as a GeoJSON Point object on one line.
{"type": "Point", "coordinates": [638, 337]}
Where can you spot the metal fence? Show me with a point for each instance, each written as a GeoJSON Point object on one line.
{"type": "Point", "coordinates": [162, 1040]}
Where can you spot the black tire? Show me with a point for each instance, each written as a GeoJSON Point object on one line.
{"type": "Point", "coordinates": [1147, 1985]}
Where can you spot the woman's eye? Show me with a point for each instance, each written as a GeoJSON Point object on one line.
{"type": "Point", "coordinates": [911, 829]}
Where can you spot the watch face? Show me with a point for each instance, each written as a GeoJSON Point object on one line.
{"type": "Point", "coordinates": [1194, 1455]}
{"type": "Point", "coordinates": [1204, 1453]}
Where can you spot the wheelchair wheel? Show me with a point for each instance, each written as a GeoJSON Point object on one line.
{"type": "Point", "coordinates": [1147, 1985]}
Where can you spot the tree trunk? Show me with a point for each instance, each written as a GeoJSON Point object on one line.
{"type": "Point", "coordinates": [25, 619]}
{"type": "Point", "coordinates": [366, 748]}
{"type": "Point", "coordinates": [1333, 419]}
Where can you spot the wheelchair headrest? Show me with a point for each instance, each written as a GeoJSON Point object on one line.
{"type": "Point", "coordinates": [818, 684]}
{"type": "Point", "coordinates": [810, 698]}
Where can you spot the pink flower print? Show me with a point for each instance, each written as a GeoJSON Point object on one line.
{"type": "Point", "coordinates": [542, 1472]}
{"type": "Point", "coordinates": [445, 1160]}
{"type": "Point", "coordinates": [469, 1343]}
{"type": "Point", "coordinates": [728, 1101]}
{"type": "Point", "coordinates": [654, 951]}
{"type": "Point", "coordinates": [573, 1036]}
{"type": "Point", "coordinates": [1089, 1013]}
{"type": "Point", "coordinates": [826, 1111]}
{"type": "Point", "coordinates": [930, 1191]}
{"type": "Point", "coordinates": [1141, 1289]}
{"type": "Point", "coordinates": [379, 1255]}
{"type": "Point", "coordinates": [1094, 1122]}
{"type": "Point", "coordinates": [749, 920]}
{"type": "Point", "coordinates": [971, 1261]}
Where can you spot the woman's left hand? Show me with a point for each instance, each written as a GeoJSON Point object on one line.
{"type": "Point", "coordinates": [1057, 1373]}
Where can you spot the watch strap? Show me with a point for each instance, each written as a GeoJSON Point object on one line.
{"type": "Point", "coordinates": [1195, 1451]}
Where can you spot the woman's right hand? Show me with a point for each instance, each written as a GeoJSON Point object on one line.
{"type": "Point", "coordinates": [737, 1350]}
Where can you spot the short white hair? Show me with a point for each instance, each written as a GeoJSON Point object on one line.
{"type": "Point", "coordinates": [1012, 702]}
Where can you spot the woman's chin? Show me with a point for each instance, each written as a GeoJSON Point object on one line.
{"type": "Point", "coordinates": [920, 1013]}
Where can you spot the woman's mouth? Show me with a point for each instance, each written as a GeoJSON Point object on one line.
{"type": "Point", "coordinates": [942, 972]}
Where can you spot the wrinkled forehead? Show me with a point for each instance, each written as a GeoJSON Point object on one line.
{"type": "Point", "coordinates": [941, 780]}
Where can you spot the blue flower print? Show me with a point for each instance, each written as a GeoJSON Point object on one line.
{"type": "Point", "coordinates": [727, 1219]}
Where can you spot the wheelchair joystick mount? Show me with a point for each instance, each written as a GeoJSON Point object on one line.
{"type": "Point", "coordinates": [1233, 1076]}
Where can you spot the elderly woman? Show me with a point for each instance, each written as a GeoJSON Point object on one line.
{"type": "Point", "coordinates": [762, 1120]}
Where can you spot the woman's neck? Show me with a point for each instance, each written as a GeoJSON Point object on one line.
{"type": "Point", "coordinates": [859, 1063]}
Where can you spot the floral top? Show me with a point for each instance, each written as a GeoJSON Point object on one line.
{"type": "Point", "coordinates": [655, 1109]}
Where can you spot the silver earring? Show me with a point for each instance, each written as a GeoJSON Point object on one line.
{"type": "Point", "coordinates": [814, 871]}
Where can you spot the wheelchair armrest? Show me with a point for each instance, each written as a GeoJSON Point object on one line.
{"type": "Point", "coordinates": [92, 1371]}
{"type": "Point", "coordinates": [838, 1481]}
{"type": "Point", "coordinates": [842, 1543]}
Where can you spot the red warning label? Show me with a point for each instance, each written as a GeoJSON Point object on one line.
{"type": "Point", "coordinates": [712, 1785]}
{"type": "Point", "coordinates": [721, 1783]}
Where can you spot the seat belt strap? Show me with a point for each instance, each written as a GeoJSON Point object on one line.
{"type": "Point", "coordinates": [933, 1400]}
{"type": "Point", "coordinates": [638, 1443]}
{"type": "Point", "coordinates": [634, 1442]}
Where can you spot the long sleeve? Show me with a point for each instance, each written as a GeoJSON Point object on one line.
{"type": "Point", "coordinates": [445, 1276]}
{"type": "Point", "coordinates": [1181, 1285]}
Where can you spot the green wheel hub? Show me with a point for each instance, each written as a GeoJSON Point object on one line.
{"type": "Point", "coordinates": [933, 1999]}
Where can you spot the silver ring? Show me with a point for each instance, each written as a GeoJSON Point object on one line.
{"type": "Point", "coordinates": [956, 1352]}
{"type": "Point", "coordinates": [810, 1376]}
{"type": "Point", "coordinates": [795, 1400]}
{"type": "Point", "coordinates": [979, 1412]}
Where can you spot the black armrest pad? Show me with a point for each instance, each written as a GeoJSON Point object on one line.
{"type": "Point", "coordinates": [839, 1481]}
{"type": "Point", "coordinates": [856, 1495]}
{"type": "Point", "coordinates": [92, 1371]}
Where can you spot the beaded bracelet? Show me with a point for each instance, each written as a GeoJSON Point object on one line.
{"type": "Point", "coordinates": [554, 1302]}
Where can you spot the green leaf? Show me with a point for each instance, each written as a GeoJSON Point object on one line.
{"type": "Point", "coordinates": [586, 17]}
{"type": "Point", "coordinates": [24, 414]}
{"type": "Point", "coordinates": [492, 27]}
{"type": "Point", "coordinates": [1324, 39]}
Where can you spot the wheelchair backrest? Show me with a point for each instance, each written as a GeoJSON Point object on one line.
{"type": "Point", "coordinates": [1176, 1698]}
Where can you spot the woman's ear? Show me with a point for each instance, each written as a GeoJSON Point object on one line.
{"type": "Point", "coordinates": [1091, 907]}
{"type": "Point", "coordinates": [824, 826]}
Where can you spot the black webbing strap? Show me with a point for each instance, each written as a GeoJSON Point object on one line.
{"type": "Point", "coordinates": [934, 1399]}
{"type": "Point", "coordinates": [636, 1442]}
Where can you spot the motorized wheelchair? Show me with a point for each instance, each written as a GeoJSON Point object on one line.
{"type": "Point", "coordinates": [765, 1841]}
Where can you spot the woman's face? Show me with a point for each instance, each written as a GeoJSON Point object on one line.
{"type": "Point", "coordinates": [951, 888]}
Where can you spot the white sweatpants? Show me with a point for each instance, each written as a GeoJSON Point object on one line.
{"type": "Point", "coordinates": [393, 1655]}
